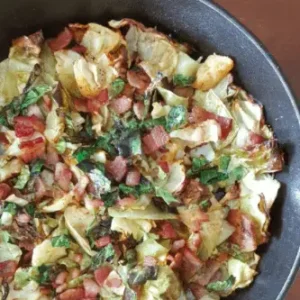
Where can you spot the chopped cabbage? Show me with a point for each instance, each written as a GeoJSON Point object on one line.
{"type": "Point", "coordinates": [186, 65]}
{"type": "Point", "coordinates": [9, 251]}
{"type": "Point", "coordinates": [171, 98]}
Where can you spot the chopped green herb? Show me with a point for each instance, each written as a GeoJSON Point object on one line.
{"type": "Point", "coordinates": [182, 80]}
{"type": "Point", "coordinates": [4, 236]}
{"type": "Point", "coordinates": [104, 143]}
{"type": "Point", "coordinates": [104, 254]}
{"type": "Point", "coordinates": [211, 176]}
{"type": "Point", "coordinates": [37, 166]}
{"type": "Point", "coordinates": [34, 95]}
{"type": "Point", "coordinates": [61, 146]}
{"type": "Point", "coordinates": [237, 173]}
{"type": "Point", "coordinates": [204, 205]}
{"type": "Point", "coordinates": [69, 121]}
{"type": "Point", "coordinates": [136, 190]}
{"type": "Point", "coordinates": [140, 275]}
{"type": "Point", "coordinates": [197, 164]}
{"type": "Point", "coordinates": [166, 196]}
{"type": "Point", "coordinates": [3, 120]}
{"type": "Point", "coordinates": [22, 178]}
{"type": "Point", "coordinates": [176, 117]}
{"type": "Point", "coordinates": [221, 286]}
{"type": "Point", "coordinates": [88, 126]}
{"type": "Point", "coordinates": [110, 198]}
{"type": "Point", "coordinates": [11, 208]}
{"type": "Point", "coordinates": [224, 163]}
{"type": "Point", "coordinates": [60, 241]}
{"type": "Point", "coordinates": [30, 209]}
{"type": "Point", "coordinates": [150, 123]}
{"type": "Point", "coordinates": [117, 87]}
{"type": "Point", "coordinates": [83, 153]}
{"type": "Point", "coordinates": [44, 274]}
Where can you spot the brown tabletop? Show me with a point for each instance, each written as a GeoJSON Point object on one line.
{"type": "Point", "coordinates": [276, 23]}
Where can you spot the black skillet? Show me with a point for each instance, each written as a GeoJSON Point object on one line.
{"type": "Point", "coordinates": [209, 29]}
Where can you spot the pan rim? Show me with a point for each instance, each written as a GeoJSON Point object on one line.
{"type": "Point", "coordinates": [280, 74]}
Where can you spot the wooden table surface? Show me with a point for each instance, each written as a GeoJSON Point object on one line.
{"type": "Point", "coordinates": [276, 23]}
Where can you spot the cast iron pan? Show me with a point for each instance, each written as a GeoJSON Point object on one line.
{"type": "Point", "coordinates": [210, 29]}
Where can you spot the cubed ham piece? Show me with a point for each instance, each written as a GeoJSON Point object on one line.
{"type": "Point", "coordinates": [94, 104]}
{"type": "Point", "coordinates": [26, 126]}
{"type": "Point", "coordinates": [63, 39]}
{"type": "Point", "coordinates": [52, 157]}
{"type": "Point", "coordinates": [199, 115]}
{"type": "Point", "coordinates": [193, 191]}
{"type": "Point", "coordinates": [72, 294]}
{"type": "Point", "coordinates": [133, 178]}
{"type": "Point", "coordinates": [244, 234]}
{"type": "Point", "coordinates": [191, 264]}
{"type": "Point", "coordinates": [63, 176]}
{"type": "Point", "coordinates": [32, 149]}
{"type": "Point", "coordinates": [7, 268]}
{"type": "Point", "coordinates": [121, 105]}
{"type": "Point", "coordinates": [91, 288]}
{"type": "Point", "coordinates": [79, 49]}
{"type": "Point", "coordinates": [103, 241]}
{"type": "Point", "coordinates": [80, 104]}
{"type": "Point", "coordinates": [138, 79]}
{"type": "Point", "coordinates": [101, 274]}
{"type": "Point", "coordinates": [40, 188]}
{"type": "Point", "coordinates": [157, 138]}
{"type": "Point", "coordinates": [117, 168]}
{"type": "Point", "coordinates": [167, 231]}
{"type": "Point", "coordinates": [138, 109]}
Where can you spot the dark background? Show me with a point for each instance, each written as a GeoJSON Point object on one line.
{"type": "Point", "coordinates": [277, 24]}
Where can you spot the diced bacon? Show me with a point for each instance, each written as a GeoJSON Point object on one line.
{"type": "Point", "coordinates": [198, 290]}
{"type": "Point", "coordinates": [194, 241]}
{"type": "Point", "coordinates": [185, 92]}
{"type": "Point", "coordinates": [7, 268]}
{"type": "Point", "coordinates": [101, 274]}
{"type": "Point", "coordinates": [167, 231]}
{"type": "Point", "coordinates": [255, 139]}
{"type": "Point", "coordinates": [79, 49]}
{"type": "Point", "coordinates": [72, 294]}
{"type": "Point", "coordinates": [176, 261]}
{"type": "Point", "coordinates": [32, 149]}
{"type": "Point", "coordinates": [26, 244]}
{"type": "Point", "coordinates": [4, 190]}
{"type": "Point", "coordinates": [114, 282]}
{"type": "Point", "coordinates": [191, 264]}
{"type": "Point", "coordinates": [117, 168]}
{"type": "Point", "coordinates": [91, 288]}
{"type": "Point", "coordinates": [63, 176]}
{"type": "Point", "coordinates": [199, 115]}
{"type": "Point", "coordinates": [193, 191]}
{"type": "Point", "coordinates": [193, 218]}
{"type": "Point", "coordinates": [177, 245]}
{"type": "Point", "coordinates": [126, 202]}
{"type": "Point", "coordinates": [26, 126]}
{"type": "Point", "coordinates": [78, 31]}
{"type": "Point", "coordinates": [94, 104]}
{"type": "Point", "coordinates": [128, 91]}
{"type": "Point", "coordinates": [23, 218]}
{"type": "Point", "coordinates": [121, 104]}
{"type": "Point", "coordinates": [80, 104]}
{"type": "Point", "coordinates": [157, 138]}
{"type": "Point", "coordinates": [138, 109]}
{"type": "Point", "coordinates": [165, 166]}
{"type": "Point", "coordinates": [3, 139]}
{"type": "Point", "coordinates": [40, 188]}
{"type": "Point", "coordinates": [150, 261]}
{"type": "Point", "coordinates": [244, 234]}
{"type": "Point", "coordinates": [61, 277]}
{"type": "Point", "coordinates": [52, 157]}
{"type": "Point", "coordinates": [138, 79]}
{"type": "Point", "coordinates": [63, 39]}
{"type": "Point", "coordinates": [133, 178]}
{"type": "Point", "coordinates": [103, 241]}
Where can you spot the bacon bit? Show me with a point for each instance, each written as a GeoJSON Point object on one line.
{"type": "Point", "coordinates": [117, 168]}
{"type": "Point", "coordinates": [40, 188]}
{"type": "Point", "coordinates": [191, 264]}
{"type": "Point", "coordinates": [26, 126]}
{"type": "Point", "coordinates": [177, 245]}
{"type": "Point", "coordinates": [150, 261]}
{"type": "Point", "coordinates": [94, 203]}
{"type": "Point", "coordinates": [32, 149]}
{"type": "Point", "coordinates": [128, 91]}
{"type": "Point", "coordinates": [244, 234]}
{"type": "Point", "coordinates": [91, 288]}
{"type": "Point", "coordinates": [165, 166]}
{"type": "Point", "coordinates": [80, 105]}
{"type": "Point", "coordinates": [45, 291]}
{"type": "Point", "coordinates": [23, 218]}
{"type": "Point", "coordinates": [3, 139]}
{"type": "Point", "coordinates": [176, 261]}
{"type": "Point", "coordinates": [126, 202]}
{"type": "Point", "coordinates": [78, 31]}
{"type": "Point", "coordinates": [185, 92]}
{"type": "Point", "coordinates": [121, 104]}
{"type": "Point", "coordinates": [63, 176]}
{"type": "Point", "coordinates": [157, 138]}
{"type": "Point", "coordinates": [194, 242]}
{"type": "Point", "coordinates": [7, 268]}
{"type": "Point", "coordinates": [63, 39]}
{"type": "Point", "coordinates": [193, 191]}
{"type": "Point", "coordinates": [52, 157]}
{"type": "Point", "coordinates": [138, 109]}
{"type": "Point", "coordinates": [5, 190]}
{"type": "Point", "coordinates": [103, 241]}
{"type": "Point", "coordinates": [79, 49]}
{"type": "Point", "coordinates": [254, 140]}
{"type": "Point", "coordinates": [133, 178]}
{"type": "Point", "coordinates": [26, 244]}
{"type": "Point", "coordinates": [138, 79]}
{"type": "Point", "coordinates": [101, 274]}
{"type": "Point", "coordinates": [94, 104]}
{"type": "Point", "coordinates": [199, 115]}
{"type": "Point", "coordinates": [72, 294]}
{"type": "Point", "coordinates": [197, 290]}
{"type": "Point", "coordinates": [61, 277]}
{"type": "Point", "coordinates": [167, 231]}
{"type": "Point", "coordinates": [114, 282]}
